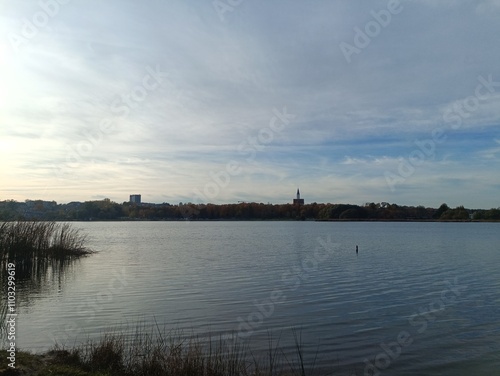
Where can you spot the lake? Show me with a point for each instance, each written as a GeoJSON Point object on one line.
{"type": "Point", "coordinates": [419, 298]}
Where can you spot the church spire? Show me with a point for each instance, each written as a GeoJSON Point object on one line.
{"type": "Point", "coordinates": [298, 200]}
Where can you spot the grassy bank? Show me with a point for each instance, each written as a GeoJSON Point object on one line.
{"type": "Point", "coordinates": [157, 354]}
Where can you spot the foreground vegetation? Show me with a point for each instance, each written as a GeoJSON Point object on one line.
{"type": "Point", "coordinates": [109, 210]}
{"type": "Point", "coordinates": [159, 354]}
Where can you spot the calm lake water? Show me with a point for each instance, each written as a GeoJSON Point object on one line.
{"type": "Point", "coordinates": [434, 287]}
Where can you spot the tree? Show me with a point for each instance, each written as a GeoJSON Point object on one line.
{"type": "Point", "coordinates": [443, 208]}
{"type": "Point", "coordinates": [459, 213]}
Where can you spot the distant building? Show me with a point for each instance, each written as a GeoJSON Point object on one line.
{"type": "Point", "coordinates": [298, 200]}
{"type": "Point", "coordinates": [135, 199]}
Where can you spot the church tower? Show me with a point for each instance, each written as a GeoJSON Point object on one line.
{"type": "Point", "coordinates": [298, 200]}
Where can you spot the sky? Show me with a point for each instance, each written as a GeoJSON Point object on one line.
{"type": "Point", "coordinates": [236, 100]}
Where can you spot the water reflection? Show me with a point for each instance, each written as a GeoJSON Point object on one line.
{"type": "Point", "coordinates": [34, 277]}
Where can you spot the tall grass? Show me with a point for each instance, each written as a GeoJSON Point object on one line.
{"type": "Point", "coordinates": [154, 353]}
{"type": "Point", "coordinates": [25, 241]}
{"type": "Point", "coordinates": [35, 246]}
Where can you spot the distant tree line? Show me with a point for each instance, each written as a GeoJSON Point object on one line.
{"type": "Point", "coordinates": [108, 210]}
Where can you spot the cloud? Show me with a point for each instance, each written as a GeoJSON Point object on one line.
{"type": "Point", "coordinates": [221, 82]}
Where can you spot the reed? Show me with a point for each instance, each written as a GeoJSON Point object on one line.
{"type": "Point", "coordinates": [29, 241]}
{"type": "Point", "coordinates": [155, 353]}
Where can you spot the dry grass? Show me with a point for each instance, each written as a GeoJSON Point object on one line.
{"type": "Point", "coordinates": [156, 353]}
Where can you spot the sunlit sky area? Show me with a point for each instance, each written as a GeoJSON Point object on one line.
{"type": "Point", "coordinates": [227, 101]}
